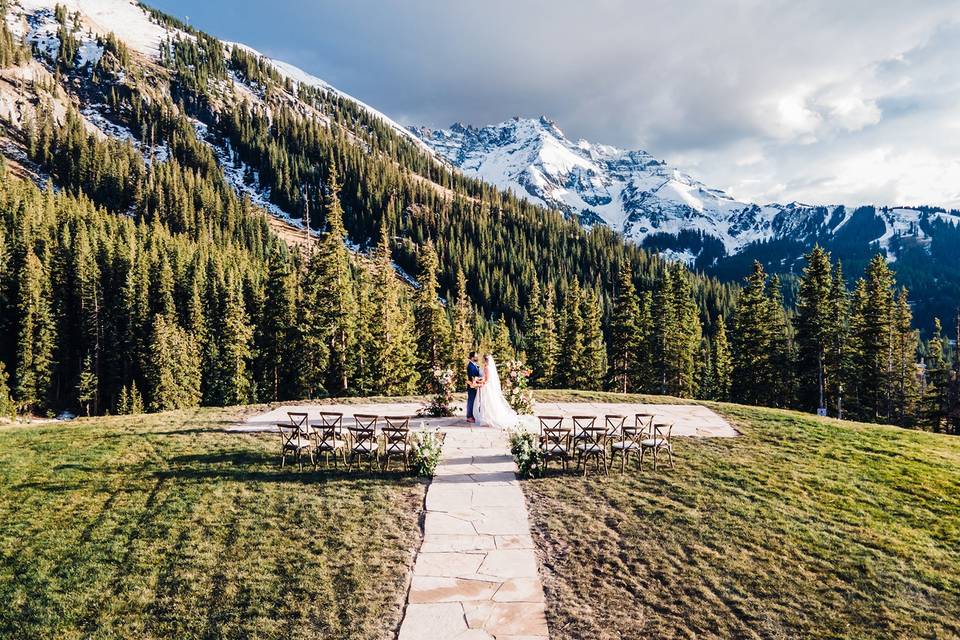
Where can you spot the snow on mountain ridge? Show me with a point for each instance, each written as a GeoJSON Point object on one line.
{"type": "Point", "coordinates": [633, 192]}
{"type": "Point", "coordinates": [629, 190]}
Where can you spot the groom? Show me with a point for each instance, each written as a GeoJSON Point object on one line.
{"type": "Point", "coordinates": [474, 382]}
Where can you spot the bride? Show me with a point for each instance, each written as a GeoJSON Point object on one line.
{"type": "Point", "coordinates": [492, 407]}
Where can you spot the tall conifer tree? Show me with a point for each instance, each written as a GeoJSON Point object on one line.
{"type": "Point", "coordinates": [431, 322]}
{"type": "Point", "coordinates": [626, 341]}
{"type": "Point", "coordinates": [594, 363]}
{"type": "Point", "coordinates": [814, 325]}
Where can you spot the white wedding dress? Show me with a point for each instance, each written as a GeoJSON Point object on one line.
{"type": "Point", "coordinates": [492, 407]}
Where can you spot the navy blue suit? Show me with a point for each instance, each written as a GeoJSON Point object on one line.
{"type": "Point", "coordinates": [473, 372]}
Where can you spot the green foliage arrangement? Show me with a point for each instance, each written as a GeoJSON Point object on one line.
{"type": "Point", "coordinates": [425, 453]}
{"type": "Point", "coordinates": [526, 453]}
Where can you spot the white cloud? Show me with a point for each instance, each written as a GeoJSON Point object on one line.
{"type": "Point", "coordinates": [819, 100]}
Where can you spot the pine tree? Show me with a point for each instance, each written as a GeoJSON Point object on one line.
{"type": "Point", "coordinates": [665, 334]}
{"type": "Point", "coordinates": [87, 387]}
{"type": "Point", "coordinates": [462, 340]}
{"type": "Point", "coordinates": [814, 325]}
{"type": "Point", "coordinates": [8, 408]}
{"type": "Point", "coordinates": [722, 363]}
{"type": "Point", "coordinates": [173, 367]}
{"type": "Point", "coordinates": [332, 312]}
{"type": "Point", "coordinates": [364, 356]}
{"type": "Point", "coordinates": [871, 336]}
{"type": "Point", "coordinates": [394, 351]}
{"type": "Point", "coordinates": [36, 338]}
{"type": "Point", "coordinates": [541, 330]}
{"type": "Point", "coordinates": [936, 380]}
{"type": "Point", "coordinates": [500, 347]}
{"type": "Point", "coordinates": [753, 346]}
{"type": "Point", "coordinates": [836, 356]}
{"type": "Point", "coordinates": [236, 335]}
{"type": "Point", "coordinates": [952, 420]}
{"type": "Point", "coordinates": [570, 366]}
{"type": "Point", "coordinates": [122, 406]}
{"type": "Point", "coordinates": [647, 380]}
{"type": "Point", "coordinates": [904, 348]}
{"type": "Point", "coordinates": [134, 400]}
{"type": "Point", "coordinates": [626, 342]}
{"type": "Point", "coordinates": [278, 334]}
{"type": "Point", "coordinates": [685, 337]}
{"type": "Point", "coordinates": [594, 363]}
{"type": "Point", "coordinates": [431, 323]}
{"type": "Point", "coordinates": [781, 356]}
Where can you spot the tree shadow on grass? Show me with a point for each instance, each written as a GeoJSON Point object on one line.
{"type": "Point", "coordinates": [253, 466]}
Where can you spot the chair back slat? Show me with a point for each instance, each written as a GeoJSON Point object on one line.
{"type": "Point", "coordinates": [581, 424]}
{"type": "Point", "coordinates": [662, 430]}
{"type": "Point", "coordinates": [330, 427]}
{"type": "Point", "coordinates": [397, 429]}
{"type": "Point", "coordinates": [553, 438]}
{"type": "Point", "coordinates": [290, 436]}
{"type": "Point", "coordinates": [364, 422]}
{"type": "Point", "coordinates": [298, 418]}
{"type": "Point", "coordinates": [643, 421]}
{"type": "Point", "coordinates": [549, 422]}
{"type": "Point", "coordinates": [614, 424]}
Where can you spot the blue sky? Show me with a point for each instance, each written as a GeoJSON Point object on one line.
{"type": "Point", "coordinates": [773, 100]}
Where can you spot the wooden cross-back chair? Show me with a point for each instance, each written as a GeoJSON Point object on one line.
{"type": "Point", "coordinates": [296, 438]}
{"type": "Point", "coordinates": [627, 442]}
{"type": "Point", "coordinates": [396, 440]}
{"type": "Point", "coordinates": [329, 435]}
{"type": "Point", "coordinates": [592, 442]}
{"type": "Point", "coordinates": [554, 440]}
{"type": "Point", "coordinates": [363, 439]}
{"type": "Point", "coordinates": [614, 423]}
{"type": "Point", "coordinates": [644, 421]}
{"type": "Point", "coordinates": [658, 439]}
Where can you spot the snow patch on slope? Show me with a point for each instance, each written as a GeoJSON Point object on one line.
{"type": "Point", "coordinates": [124, 18]}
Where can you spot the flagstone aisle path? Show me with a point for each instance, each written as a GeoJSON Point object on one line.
{"type": "Point", "coordinates": [476, 576]}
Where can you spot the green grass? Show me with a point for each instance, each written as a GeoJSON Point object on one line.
{"type": "Point", "coordinates": [800, 528]}
{"type": "Point", "coordinates": [163, 526]}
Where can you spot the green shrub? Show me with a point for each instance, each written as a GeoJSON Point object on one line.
{"type": "Point", "coordinates": [526, 453]}
{"type": "Point", "coordinates": [425, 453]}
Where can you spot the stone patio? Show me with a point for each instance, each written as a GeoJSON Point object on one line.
{"type": "Point", "coordinates": [688, 419]}
{"type": "Point", "coordinates": [476, 576]}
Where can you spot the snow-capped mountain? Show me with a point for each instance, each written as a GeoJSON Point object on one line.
{"type": "Point", "coordinates": [645, 198]}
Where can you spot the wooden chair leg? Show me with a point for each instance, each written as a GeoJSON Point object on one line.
{"type": "Point", "coordinates": [670, 453]}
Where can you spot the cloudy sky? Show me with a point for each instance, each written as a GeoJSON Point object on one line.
{"type": "Point", "coordinates": [821, 101]}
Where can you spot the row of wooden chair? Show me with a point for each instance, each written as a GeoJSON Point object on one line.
{"type": "Point", "coordinates": [585, 440]}
{"type": "Point", "coordinates": [366, 438]}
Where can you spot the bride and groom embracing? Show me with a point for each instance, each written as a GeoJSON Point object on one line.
{"type": "Point", "coordinates": [486, 403]}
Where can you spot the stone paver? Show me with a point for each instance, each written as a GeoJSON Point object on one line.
{"type": "Point", "coordinates": [688, 419]}
{"type": "Point", "coordinates": [476, 576]}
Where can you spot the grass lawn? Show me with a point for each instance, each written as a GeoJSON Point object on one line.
{"type": "Point", "coordinates": [163, 526]}
{"type": "Point", "coordinates": [801, 528]}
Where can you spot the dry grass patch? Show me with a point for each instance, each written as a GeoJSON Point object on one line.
{"type": "Point", "coordinates": [802, 527]}
{"type": "Point", "coordinates": [163, 526]}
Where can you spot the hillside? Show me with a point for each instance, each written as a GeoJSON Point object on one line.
{"type": "Point", "coordinates": [183, 169]}
{"type": "Point", "coordinates": [273, 133]}
{"type": "Point", "coordinates": [165, 526]}
{"type": "Point", "coordinates": [664, 209]}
